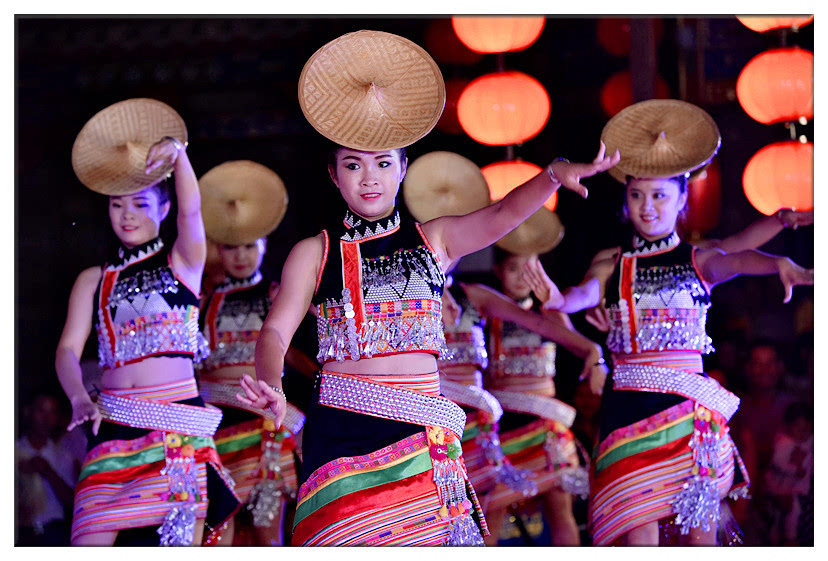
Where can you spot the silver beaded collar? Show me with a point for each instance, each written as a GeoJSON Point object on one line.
{"type": "Point", "coordinates": [231, 283]}
{"type": "Point", "coordinates": [645, 247]}
{"type": "Point", "coordinates": [359, 228]}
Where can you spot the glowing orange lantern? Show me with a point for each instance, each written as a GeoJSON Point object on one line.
{"type": "Point", "coordinates": [448, 120]}
{"type": "Point", "coordinates": [766, 23]}
{"type": "Point", "coordinates": [704, 201]}
{"type": "Point", "coordinates": [442, 43]}
{"type": "Point", "coordinates": [503, 108]}
{"type": "Point", "coordinates": [778, 85]}
{"type": "Point", "coordinates": [502, 177]}
{"type": "Point", "coordinates": [614, 34]}
{"type": "Point", "coordinates": [781, 175]}
{"type": "Point", "coordinates": [617, 92]}
{"type": "Point", "coordinates": [497, 34]}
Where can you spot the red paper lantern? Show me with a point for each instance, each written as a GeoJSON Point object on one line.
{"type": "Point", "coordinates": [442, 43]}
{"type": "Point", "coordinates": [766, 23]}
{"type": "Point", "coordinates": [614, 34]}
{"type": "Point", "coordinates": [497, 34]}
{"type": "Point", "coordinates": [704, 201]}
{"type": "Point", "coordinates": [503, 108]}
{"type": "Point", "coordinates": [781, 175]}
{"type": "Point", "coordinates": [778, 86]}
{"type": "Point", "coordinates": [448, 120]}
{"type": "Point", "coordinates": [617, 92]}
{"type": "Point", "coordinates": [502, 177]}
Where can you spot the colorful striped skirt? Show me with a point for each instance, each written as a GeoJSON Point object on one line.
{"type": "Point", "coordinates": [135, 477]}
{"type": "Point", "coordinates": [659, 455]}
{"type": "Point", "coordinates": [371, 476]}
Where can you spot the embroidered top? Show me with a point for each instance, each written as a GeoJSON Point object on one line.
{"type": "Point", "coordinates": [231, 320]}
{"type": "Point", "coordinates": [378, 292]}
{"type": "Point", "coordinates": [660, 302]}
{"type": "Point", "coordinates": [520, 360]}
{"type": "Point", "coordinates": [143, 310]}
{"type": "Point", "coordinates": [466, 339]}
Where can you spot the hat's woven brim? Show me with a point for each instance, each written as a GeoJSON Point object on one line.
{"type": "Point", "coordinates": [661, 138]}
{"type": "Point", "coordinates": [444, 183]}
{"type": "Point", "coordinates": [241, 201]}
{"type": "Point", "coordinates": [371, 90]}
{"type": "Point", "coordinates": [109, 155]}
{"type": "Point", "coordinates": [538, 234]}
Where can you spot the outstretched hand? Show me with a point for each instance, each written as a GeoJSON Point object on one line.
{"type": "Point", "coordinates": [570, 174]}
{"type": "Point", "coordinates": [260, 395]}
{"type": "Point", "coordinates": [793, 219]}
{"type": "Point", "coordinates": [84, 410]}
{"type": "Point", "coordinates": [545, 290]}
{"type": "Point", "coordinates": [164, 151]}
{"type": "Point", "coordinates": [792, 275]}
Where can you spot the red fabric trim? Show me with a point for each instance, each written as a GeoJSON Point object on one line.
{"type": "Point", "coordinates": [627, 278]}
{"type": "Point", "coordinates": [323, 263]}
{"type": "Point", "coordinates": [707, 285]}
{"type": "Point", "coordinates": [639, 461]}
{"type": "Point", "coordinates": [428, 243]}
{"type": "Point", "coordinates": [196, 293]}
{"type": "Point", "coordinates": [352, 277]}
{"type": "Point", "coordinates": [108, 282]}
{"type": "Point", "coordinates": [361, 501]}
{"type": "Point", "coordinates": [212, 316]}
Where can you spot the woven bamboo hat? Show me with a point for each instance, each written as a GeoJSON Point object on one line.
{"type": "Point", "coordinates": [538, 234]}
{"type": "Point", "coordinates": [444, 183]}
{"type": "Point", "coordinates": [241, 201]}
{"type": "Point", "coordinates": [109, 155]}
{"type": "Point", "coordinates": [371, 90]}
{"type": "Point", "coordinates": [661, 138]}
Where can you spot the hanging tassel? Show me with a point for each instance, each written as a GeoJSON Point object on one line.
{"type": "Point", "coordinates": [697, 504]}
{"type": "Point", "coordinates": [575, 480]}
{"type": "Point", "coordinates": [265, 503]}
{"type": "Point", "coordinates": [178, 526]}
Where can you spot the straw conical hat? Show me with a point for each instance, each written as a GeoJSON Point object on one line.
{"type": "Point", "coordinates": [444, 183]}
{"type": "Point", "coordinates": [538, 234]}
{"type": "Point", "coordinates": [241, 201]}
{"type": "Point", "coordinates": [371, 90]}
{"type": "Point", "coordinates": [661, 138]}
{"type": "Point", "coordinates": [109, 155]}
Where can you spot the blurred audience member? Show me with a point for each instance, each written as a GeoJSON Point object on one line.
{"type": "Point", "coordinates": [45, 476]}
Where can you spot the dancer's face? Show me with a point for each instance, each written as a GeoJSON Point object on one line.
{"type": "Point", "coordinates": [241, 261]}
{"type": "Point", "coordinates": [654, 206]}
{"type": "Point", "coordinates": [510, 273]}
{"type": "Point", "coordinates": [136, 218]}
{"type": "Point", "coordinates": [369, 181]}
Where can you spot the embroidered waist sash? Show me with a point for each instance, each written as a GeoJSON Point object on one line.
{"type": "Point", "coordinates": [355, 393]}
{"type": "Point", "coordinates": [544, 407]}
{"type": "Point", "coordinates": [650, 378]}
{"type": "Point", "coordinates": [472, 396]}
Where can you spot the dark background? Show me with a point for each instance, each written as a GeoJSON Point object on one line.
{"type": "Point", "coordinates": [234, 81]}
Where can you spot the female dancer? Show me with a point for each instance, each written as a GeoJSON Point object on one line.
{"type": "Point", "coordinates": [664, 449]}
{"type": "Point", "coordinates": [151, 456]}
{"type": "Point", "coordinates": [258, 453]}
{"type": "Point", "coordinates": [535, 429]}
{"type": "Point", "coordinates": [382, 463]}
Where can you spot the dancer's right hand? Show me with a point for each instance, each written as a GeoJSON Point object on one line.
{"type": "Point", "coordinates": [84, 410]}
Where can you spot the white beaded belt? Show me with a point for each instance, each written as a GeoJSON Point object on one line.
{"type": "Point", "coordinates": [156, 415]}
{"type": "Point", "coordinates": [647, 378]}
{"type": "Point", "coordinates": [545, 407]}
{"type": "Point", "coordinates": [219, 393]}
{"type": "Point", "coordinates": [389, 402]}
{"type": "Point", "coordinates": [471, 396]}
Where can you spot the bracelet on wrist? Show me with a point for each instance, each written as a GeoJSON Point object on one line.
{"type": "Point", "coordinates": [176, 142]}
{"type": "Point", "coordinates": [551, 172]}
{"type": "Point", "coordinates": [600, 362]}
{"type": "Point", "coordinates": [278, 390]}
